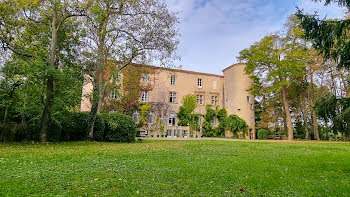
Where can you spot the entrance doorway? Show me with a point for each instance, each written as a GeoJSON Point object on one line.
{"type": "Point", "coordinates": [251, 135]}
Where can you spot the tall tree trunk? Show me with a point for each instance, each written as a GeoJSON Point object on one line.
{"type": "Point", "coordinates": [307, 134]}
{"type": "Point", "coordinates": [95, 103]}
{"type": "Point", "coordinates": [327, 133]}
{"type": "Point", "coordinates": [97, 82]}
{"type": "Point", "coordinates": [6, 115]}
{"type": "Point", "coordinates": [313, 111]}
{"type": "Point", "coordinates": [50, 81]}
{"type": "Point", "coordinates": [287, 112]}
{"type": "Point", "coordinates": [285, 127]}
{"type": "Point", "coordinates": [315, 124]}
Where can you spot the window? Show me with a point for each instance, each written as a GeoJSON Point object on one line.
{"type": "Point", "coordinates": [248, 99]}
{"type": "Point", "coordinates": [113, 95]}
{"type": "Point", "coordinates": [214, 100]}
{"type": "Point", "coordinates": [144, 96]}
{"type": "Point", "coordinates": [136, 117]}
{"type": "Point", "coordinates": [172, 97]}
{"type": "Point", "coordinates": [252, 120]}
{"type": "Point", "coordinates": [171, 119]}
{"type": "Point", "coordinates": [214, 84]}
{"type": "Point", "coordinates": [200, 83]}
{"type": "Point", "coordinates": [214, 122]}
{"type": "Point", "coordinates": [172, 80]}
{"type": "Point", "coordinates": [251, 107]}
{"type": "Point", "coordinates": [150, 118]}
{"type": "Point", "coordinates": [199, 121]}
{"type": "Point", "coordinates": [184, 133]}
{"type": "Point", "coordinates": [169, 132]}
{"type": "Point", "coordinates": [200, 99]}
{"type": "Point", "coordinates": [145, 77]}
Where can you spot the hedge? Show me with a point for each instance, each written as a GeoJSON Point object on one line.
{"type": "Point", "coordinates": [73, 126]}
{"type": "Point", "coordinates": [119, 128]}
{"type": "Point", "coordinates": [263, 134]}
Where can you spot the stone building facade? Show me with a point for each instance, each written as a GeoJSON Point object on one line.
{"type": "Point", "coordinates": [169, 86]}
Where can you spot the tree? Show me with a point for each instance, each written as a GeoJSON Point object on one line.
{"type": "Point", "coordinates": [189, 103]}
{"type": "Point", "coordinates": [127, 31]}
{"type": "Point", "coordinates": [335, 110]}
{"type": "Point", "coordinates": [41, 30]}
{"type": "Point", "coordinates": [330, 37]}
{"type": "Point", "coordinates": [277, 68]}
{"type": "Point", "coordinates": [186, 115]}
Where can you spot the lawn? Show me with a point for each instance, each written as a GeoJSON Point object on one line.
{"type": "Point", "coordinates": [175, 168]}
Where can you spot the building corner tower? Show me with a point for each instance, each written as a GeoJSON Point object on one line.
{"type": "Point", "coordinates": [237, 99]}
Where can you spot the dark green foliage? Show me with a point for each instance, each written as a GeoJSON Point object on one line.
{"type": "Point", "coordinates": [210, 114]}
{"type": "Point", "coordinates": [184, 118]}
{"type": "Point", "coordinates": [119, 128]}
{"type": "Point", "coordinates": [263, 134]}
{"type": "Point", "coordinates": [54, 132]}
{"type": "Point", "coordinates": [329, 37]}
{"type": "Point", "coordinates": [222, 114]}
{"type": "Point", "coordinates": [194, 122]}
{"type": "Point", "coordinates": [236, 124]}
{"type": "Point", "coordinates": [208, 130]}
{"type": "Point", "coordinates": [6, 133]}
{"type": "Point", "coordinates": [72, 126]}
{"type": "Point", "coordinates": [300, 130]}
{"type": "Point", "coordinates": [336, 111]}
{"type": "Point", "coordinates": [99, 128]}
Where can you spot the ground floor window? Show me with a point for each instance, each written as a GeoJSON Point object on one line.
{"type": "Point", "coordinates": [136, 117]}
{"type": "Point", "coordinates": [184, 132]}
{"type": "Point", "coordinates": [150, 118]}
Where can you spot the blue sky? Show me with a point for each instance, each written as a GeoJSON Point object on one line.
{"type": "Point", "coordinates": [213, 32]}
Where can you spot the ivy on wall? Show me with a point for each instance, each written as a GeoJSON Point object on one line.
{"type": "Point", "coordinates": [186, 115]}
{"type": "Point", "coordinates": [232, 123]}
{"type": "Point", "coordinates": [128, 91]}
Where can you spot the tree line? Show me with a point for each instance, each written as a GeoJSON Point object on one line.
{"type": "Point", "coordinates": [301, 77]}
{"type": "Point", "coordinates": [50, 47]}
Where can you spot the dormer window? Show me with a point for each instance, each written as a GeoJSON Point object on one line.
{"type": "Point", "coordinates": [199, 83]}
{"type": "Point", "coordinates": [172, 80]}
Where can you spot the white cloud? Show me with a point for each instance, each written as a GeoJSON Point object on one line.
{"type": "Point", "coordinates": [214, 31]}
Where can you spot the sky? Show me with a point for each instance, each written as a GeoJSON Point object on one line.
{"type": "Point", "coordinates": [213, 32]}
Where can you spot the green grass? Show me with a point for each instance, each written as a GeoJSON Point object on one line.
{"type": "Point", "coordinates": [175, 168]}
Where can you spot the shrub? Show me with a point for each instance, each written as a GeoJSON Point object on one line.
{"type": "Point", "coordinates": [119, 128]}
{"type": "Point", "coordinates": [20, 132]}
{"type": "Point", "coordinates": [54, 131]}
{"type": "Point", "coordinates": [263, 134]}
{"type": "Point", "coordinates": [236, 124]}
{"type": "Point", "coordinates": [7, 133]}
{"type": "Point", "coordinates": [99, 128]}
{"type": "Point", "coordinates": [74, 125]}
